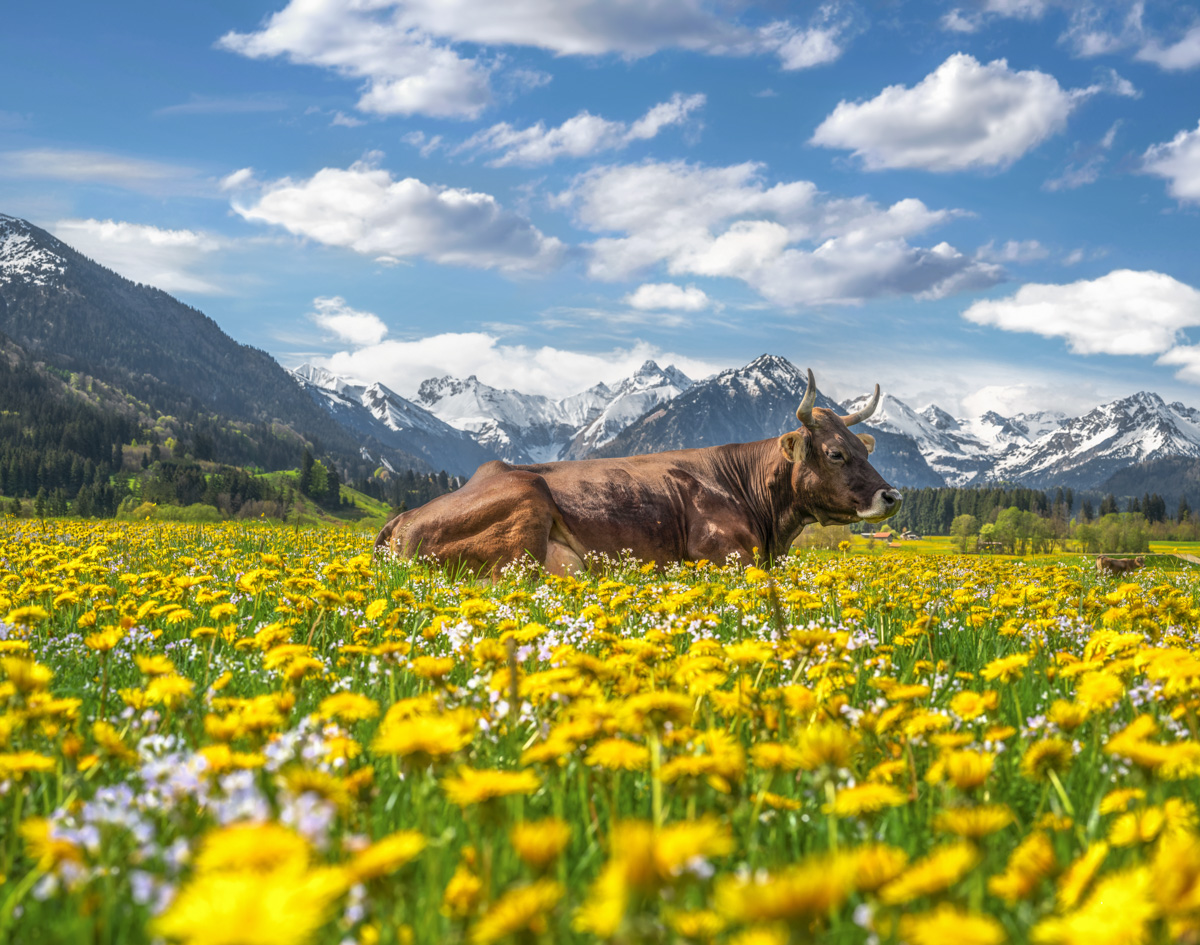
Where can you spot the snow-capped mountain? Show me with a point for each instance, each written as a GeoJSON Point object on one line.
{"type": "Point", "coordinates": [530, 428]}
{"type": "Point", "coordinates": [1045, 449]}
{"type": "Point", "coordinates": [952, 450]}
{"type": "Point", "coordinates": [394, 422]}
{"type": "Point", "coordinates": [753, 403]}
{"type": "Point", "coordinates": [1085, 451]}
{"type": "Point", "coordinates": [24, 257]}
{"type": "Point", "coordinates": [646, 389]}
{"type": "Point", "coordinates": [519, 428]}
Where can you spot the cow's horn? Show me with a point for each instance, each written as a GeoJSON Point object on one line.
{"type": "Point", "coordinates": [860, 415]}
{"type": "Point", "coordinates": [804, 411]}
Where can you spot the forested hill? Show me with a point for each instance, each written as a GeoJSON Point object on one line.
{"type": "Point", "coordinates": [77, 316]}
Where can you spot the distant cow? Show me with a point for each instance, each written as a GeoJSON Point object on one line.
{"type": "Point", "coordinates": [743, 499]}
{"type": "Point", "coordinates": [1106, 565]}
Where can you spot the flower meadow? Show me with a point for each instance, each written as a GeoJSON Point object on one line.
{"type": "Point", "coordinates": [237, 734]}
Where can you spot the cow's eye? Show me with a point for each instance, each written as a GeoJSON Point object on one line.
{"type": "Point", "coordinates": [836, 456]}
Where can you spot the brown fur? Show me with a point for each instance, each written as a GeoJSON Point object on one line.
{"type": "Point", "coordinates": [1106, 565]}
{"type": "Point", "coordinates": [749, 500]}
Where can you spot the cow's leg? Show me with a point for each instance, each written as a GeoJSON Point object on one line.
{"type": "Point", "coordinates": [564, 556]}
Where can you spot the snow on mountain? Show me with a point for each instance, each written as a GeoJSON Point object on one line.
{"type": "Point", "coordinates": [950, 449]}
{"type": "Point", "coordinates": [23, 258]}
{"type": "Point", "coordinates": [756, 402]}
{"type": "Point", "coordinates": [375, 411]}
{"type": "Point", "coordinates": [519, 428]}
{"type": "Point", "coordinates": [530, 428]}
{"type": "Point", "coordinates": [638, 394]}
{"type": "Point", "coordinates": [1084, 451]}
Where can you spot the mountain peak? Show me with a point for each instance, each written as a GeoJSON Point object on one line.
{"type": "Point", "coordinates": [24, 257]}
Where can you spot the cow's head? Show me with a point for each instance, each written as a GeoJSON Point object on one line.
{"type": "Point", "coordinates": [831, 468]}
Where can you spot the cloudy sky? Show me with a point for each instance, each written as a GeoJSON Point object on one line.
{"type": "Point", "coordinates": [989, 204]}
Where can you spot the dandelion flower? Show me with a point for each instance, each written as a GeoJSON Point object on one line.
{"type": "Point", "coordinates": [475, 786]}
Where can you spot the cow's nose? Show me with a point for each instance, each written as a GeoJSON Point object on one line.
{"type": "Point", "coordinates": [892, 497]}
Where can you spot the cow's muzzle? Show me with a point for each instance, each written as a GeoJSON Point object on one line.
{"type": "Point", "coordinates": [885, 504]}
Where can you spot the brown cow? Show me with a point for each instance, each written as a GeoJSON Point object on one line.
{"type": "Point", "coordinates": [1106, 565]}
{"type": "Point", "coordinates": [743, 499]}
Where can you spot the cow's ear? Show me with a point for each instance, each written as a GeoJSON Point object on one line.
{"type": "Point", "coordinates": [795, 445]}
{"type": "Point", "coordinates": [868, 441]}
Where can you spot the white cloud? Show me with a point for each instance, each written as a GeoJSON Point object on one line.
{"type": "Point", "coordinates": [1089, 162]}
{"type": "Point", "coordinates": [404, 49]}
{"type": "Point", "coordinates": [423, 143]}
{"type": "Point", "coordinates": [349, 325]}
{"type": "Point", "coordinates": [957, 22]}
{"type": "Point", "coordinates": [402, 365]}
{"type": "Point", "coordinates": [406, 71]}
{"type": "Point", "coordinates": [142, 253]}
{"type": "Point", "coordinates": [1017, 9]}
{"type": "Point", "coordinates": [1014, 251]}
{"type": "Point", "coordinates": [238, 180]}
{"type": "Point", "coordinates": [1178, 56]}
{"type": "Point", "coordinates": [364, 209]}
{"type": "Point", "coordinates": [98, 167]}
{"type": "Point", "coordinates": [1124, 312]}
{"type": "Point", "coordinates": [789, 242]}
{"type": "Point", "coordinates": [1178, 161]}
{"type": "Point", "coordinates": [579, 136]}
{"type": "Point", "coordinates": [651, 296]}
{"type": "Point", "coordinates": [822, 42]}
{"type": "Point", "coordinates": [1187, 359]}
{"type": "Point", "coordinates": [963, 115]}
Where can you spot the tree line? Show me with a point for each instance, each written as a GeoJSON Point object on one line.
{"type": "Point", "coordinates": [932, 511]}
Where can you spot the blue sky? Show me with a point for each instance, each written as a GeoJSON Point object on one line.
{"type": "Point", "coordinates": [985, 204]}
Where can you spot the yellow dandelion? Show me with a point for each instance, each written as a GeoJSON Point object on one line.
{"type": "Point", "coordinates": [970, 705]}
{"type": "Point", "coordinates": [1118, 912]}
{"type": "Point", "coordinates": [476, 786]}
{"type": "Point", "coordinates": [973, 823]}
{"type": "Point", "coordinates": [539, 842]}
{"type": "Point", "coordinates": [387, 855]}
{"type": "Point", "coordinates": [827, 744]}
{"type": "Point", "coordinates": [619, 754]}
{"type": "Point", "coordinates": [348, 707]}
{"type": "Point", "coordinates": [865, 799]}
{"type": "Point", "coordinates": [949, 923]}
{"type": "Point", "coordinates": [1076, 878]}
{"type": "Point", "coordinates": [523, 909]}
{"type": "Point", "coordinates": [810, 889]}
{"type": "Point", "coordinates": [1051, 754]}
{"type": "Point", "coordinates": [937, 871]}
{"type": "Point", "coordinates": [1006, 669]}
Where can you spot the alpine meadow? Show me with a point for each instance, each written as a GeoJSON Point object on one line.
{"type": "Point", "coordinates": [420, 523]}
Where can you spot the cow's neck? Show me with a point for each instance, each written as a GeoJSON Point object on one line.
{"type": "Point", "coordinates": [762, 478]}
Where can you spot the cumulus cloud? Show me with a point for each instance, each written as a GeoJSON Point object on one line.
{"type": "Point", "coordinates": [1178, 162]}
{"type": "Point", "coordinates": [965, 114]}
{"type": "Point", "coordinates": [1179, 56]}
{"type": "Point", "coordinates": [402, 365]}
{"type": "Point", "coordinates": [166, 259]}
{"type": "Point", "coordinates": [580, 136]}
{"type": "Point", "coordinates": [347, 324]}
{"type": "Point", "coordinates": [404, 50]}
{"type": "Point", "coordinates": [364, 209]}
{"type": "Point", "coordinates": [791, 243]}
{"type": "Point", "coordinates": [99, 167]}
{"type": "Point", "coordinates": [821, 42]}
{"type": "Point", "coordinates": [1124, 312]}
{"type": "Point", "coordinates": [406, 71]}
{"type": "Point", "coordinates": [652, 296]}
